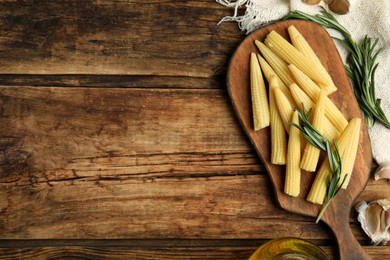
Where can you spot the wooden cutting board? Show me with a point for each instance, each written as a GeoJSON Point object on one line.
{"type": "Point", "coordinates": [238, 82]}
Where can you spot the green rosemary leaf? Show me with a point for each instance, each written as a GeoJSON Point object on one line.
{"type": "Point", "coordinates": [297, 126]}
{"type": "Point", "coordinates": [314, 137]}
{"type": "Point", "coordinates": [328, 150]}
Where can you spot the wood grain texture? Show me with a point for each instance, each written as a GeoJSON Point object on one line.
{"type": "Point", "coordinates": [114, 37]}
{"type": "Point", "coordinates": [52, 127]}
{"type": "Point", "coordinates": [72, 169]}
{"type": "Point", "coordinates": [114, 81]}
{"type": "Point", "coordinates": [118, 139]}
{"type": "Point", "coordinates": [337, 214]}
{"type": "Point", "coordinates": [120, 207]}
{"type": "Point", "coordinates": [155, 252]}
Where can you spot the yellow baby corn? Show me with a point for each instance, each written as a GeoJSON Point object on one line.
{"type": "Point", "coordinates": [278, 132]}
{"type": "Point", "coordinates": [308, 85]}
{"type": "Point", "coordinates": [312, 90]}
{"type": "Point", "coordinates": [311, 154]}
{"type": "Point", "coordinates": [292, 183]}
{"type": "Point", "coordinates": [348, 149]}
{"type": "Point", "coordinates": [259, 95]}
{"type": "Point", "coordinates": [349, 137]}
{"type": "Point", "coordinates": [299, 42]}
{"type": "Point", "coordinates": [330, 132]}
{"type": "Point", "coordinates": [317, 191]}
{"type": "Point", "coordinates": [269, 72]}
{"type": "Point", "coordinates": [279, 65]}
{"type": "Point", "coordinates": [291, 55]}
{"type": "Point", "coordinates": [300, 97]}
{"type": "Point", "coordinates": [335, 116]}
{"type": "Point", "coordinates": [284, 107]}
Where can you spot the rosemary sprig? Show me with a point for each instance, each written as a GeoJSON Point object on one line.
{"type": "Point", "coordinates": [314, 137]}
{"type": "Point", "coordinates": [360, 66]}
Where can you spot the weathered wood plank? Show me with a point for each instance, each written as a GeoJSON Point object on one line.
{"type": "Point", "coordinates": [124, 253]}
{"type": "Point", "coordinates": [203, 252]}
{"type": "Point", "coordinates": [164, 207]}
{"type": "Point", "coordinates": [52, 127]}
{"type": "Point", "coordinates": [115, 37]}
{"type": "Point", "coordinates": [114, 81]}
{"type": "Point", "coordinates": [193, 207]}
{"type": "Point", "coordinates": [116, 163]}
{"type": "Point", "coordinates": [90, 151]}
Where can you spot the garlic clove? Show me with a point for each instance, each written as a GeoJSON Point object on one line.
{"type": "Point", "coordinates": [385, 203]}
{"type": "Point", "coordinates": [387, 219]}
{"type": "Point", "coordinates": [375, 220]}
{"type": "Point", "coordinates": [383, 227]}
{"type": "Point", "coordinates": [382, 171]}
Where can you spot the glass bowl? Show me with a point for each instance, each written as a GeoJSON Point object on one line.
{"type": "Point", "coordinates": [289, 248]}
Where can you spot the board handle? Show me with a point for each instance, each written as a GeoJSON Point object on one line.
{"type": "Point", "coordinates": [349, 247]}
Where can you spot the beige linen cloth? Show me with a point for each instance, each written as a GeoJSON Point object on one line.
{"type": "Point", "coordinates": [370, 18]}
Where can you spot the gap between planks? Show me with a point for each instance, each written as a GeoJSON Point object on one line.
{"type": "Point", "coordinates": [143, 243]}
{"type": "Point", "coordinates": [113, 81]}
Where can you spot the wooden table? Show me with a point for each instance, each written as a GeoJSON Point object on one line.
{"type": "Point", "coordinates": [118, 139]}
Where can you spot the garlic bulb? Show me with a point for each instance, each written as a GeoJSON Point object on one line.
{"type": "Point", "coordinates": [383, 171]}
{"type": "Point", "coordinates": [375, 220]}
{"type": "Point", "coordinates": [338, 6]}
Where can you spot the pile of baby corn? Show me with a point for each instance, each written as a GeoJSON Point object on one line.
{"type": "Point", "coordinates": [296, 80]}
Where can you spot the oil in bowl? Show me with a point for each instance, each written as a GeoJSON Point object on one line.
{"type": "Point", "coordinates": [289, 249]}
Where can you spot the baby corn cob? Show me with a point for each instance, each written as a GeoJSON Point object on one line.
{"type": "Point", "coordinates": [278, 133]}
{"type": "Point", "coordinates": [299, 42]}
{"type": "Point", "coordinates": [308, 85]}
{"type": "Point", "coordinates": [293, 172]}
{"type": "Point", "coordinates": [284, 107]}
{"type": "Point", "coordinates": [317, 191]}
{"type": "Point", "coordinates": [311, 154]}
{"type": "Point", "coordinates": [312, 90]}
{"type": "Point", "coordinates": [269, 72]}
{"type": "Point", "coordinates": [301, 98]}
{"type": "Point", "coordinates": [292, 56]}
{"type": "Point", "coordinates": [348, 149]}
{"type": "Point", "coordinates": [279, 65]}
{"type": "Point", "coordinates": [259, 95]}
{"type": "Point", "coordinates": [350, 134]}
